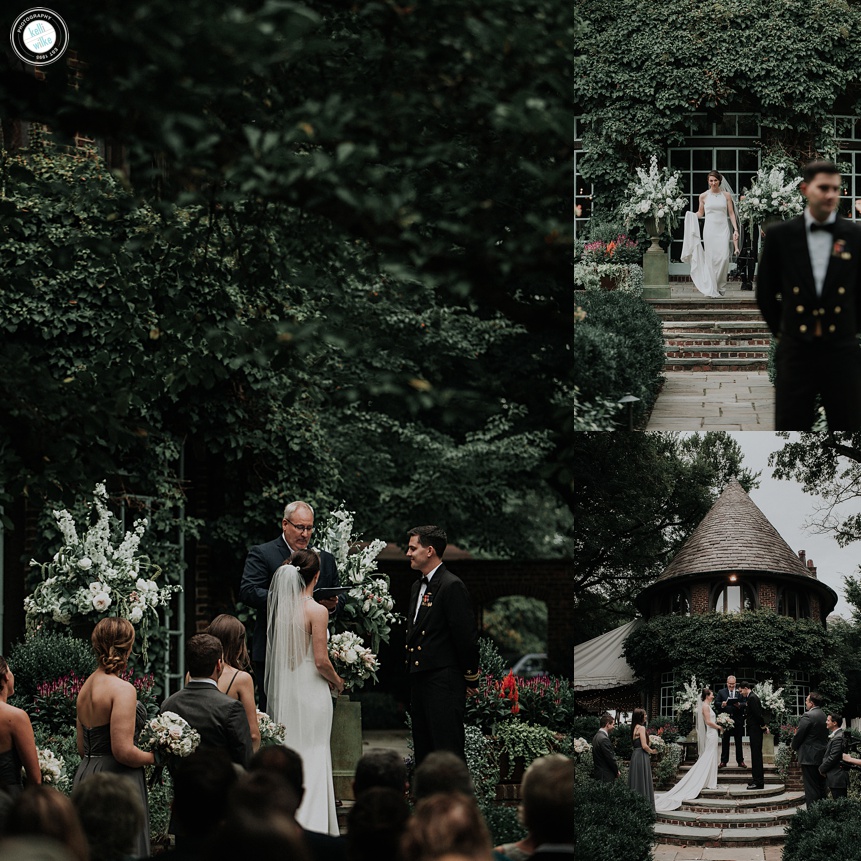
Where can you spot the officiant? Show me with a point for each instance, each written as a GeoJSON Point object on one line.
{"type": "Point", "coordinates": [731, 701]}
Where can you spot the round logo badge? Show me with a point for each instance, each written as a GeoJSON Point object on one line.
{"type": "Point", "coordinates": [39, 36]}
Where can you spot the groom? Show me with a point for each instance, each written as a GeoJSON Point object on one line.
{"type": "Point", "coordinates": [756, 726]}
{"type": "Point", "coordinates": [809, 291]}
{"type": "Point", "coordinates": [730, 701]}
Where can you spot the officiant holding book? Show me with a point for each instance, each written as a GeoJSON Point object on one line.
{"type": "Point", "coordinates": [730, 701]}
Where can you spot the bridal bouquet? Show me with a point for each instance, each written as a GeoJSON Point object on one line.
{"type": "Point", "coordinates": [771, 193]}
{"type": "Point", "coordinates": [654, 194]}
{"type": "Point", "coordinates": [725, 721]}
{"type": "Point", "coordinates": [51, 766]}
{"type": "Point", "coordinates": [657, 743]}
{"type": "Point", "coordinates": [353, 661]}
{"type": "Point", "coordinates": [96, 574]}
{"type": "Point", "coordinates": [271, 732]}
{"type": "Point", "coordinates": [580, 745]}
{"type": "Point", "coordinates": [169, 734]}
{"type": "Point", "coordinates": [772, 700]}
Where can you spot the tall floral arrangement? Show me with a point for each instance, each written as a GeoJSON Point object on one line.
{"type": "Point", "coordinates": [772, 700]}
{"type": "Point", "coordinates": [656, 193]}
{"type": "Point", "coordinates": [771, 193]}
{"type": "Point", "coordinates": [96, 573]}
{"type": "Point", "coordinates": [369, 608]}
{"type": "Point", "coordinates": [688, 699]}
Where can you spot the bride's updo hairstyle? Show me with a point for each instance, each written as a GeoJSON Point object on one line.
{"type": "Point", "coordinates": [716, 174]}
{"type": "Point", "coordinates": [112, 641]}
{"type": "Point", "coordinates": [308, 563]}
{"type": "Point", "coordinates": [706, 691]}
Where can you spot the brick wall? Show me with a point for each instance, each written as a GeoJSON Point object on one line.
{"type": "Point", "coordinates": [768, 595]}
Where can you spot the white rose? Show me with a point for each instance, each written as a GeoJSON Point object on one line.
{"type": "Point", "coordinates": [136, 615]}
{"type": "Point", "coordinates": [644, 206]}
{"type": "Point", "coordinates": [350, 656]}
{"type": "Point", "coordinates": [85, 563]}
{"type": "Point", "coordinates": [101, 601]}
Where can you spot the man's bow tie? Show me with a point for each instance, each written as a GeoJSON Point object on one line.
{"type": "Point", "coordinates": [814, 226]}
{"type": "Point", "coordinates": [423, 581]}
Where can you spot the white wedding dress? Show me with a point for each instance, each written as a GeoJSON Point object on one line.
{"type": "Point", "coordinates": [703, 773]}
{"type": "Point", "coordinates": [299, 697]}
{"type": "Point", "coordinates": [716, 236]}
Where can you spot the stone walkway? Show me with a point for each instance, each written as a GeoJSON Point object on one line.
{"type": "Point", "coordinates": [663, 852]}
{"type": "Point", "coordinates": [714, 400]}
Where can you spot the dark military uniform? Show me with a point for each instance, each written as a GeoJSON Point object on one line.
{"type": "Point", "coordinates": [818, 352]}
{"type": "Point", "coordinates": [442, 659]}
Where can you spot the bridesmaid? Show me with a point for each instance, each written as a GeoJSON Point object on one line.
{"type": "Point", "coordinates": [234, 681]}
{"type": "Point", "coordinates": [17, 744]}
{"type": "Point", "coordinates": [107, 713]}
{"type": "Point", "coordinates": [640, 772]}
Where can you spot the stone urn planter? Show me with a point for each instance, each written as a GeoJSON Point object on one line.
{"type": "Point", "coordinates": [346, 742]}
{"type": "Point", "coordinates": [656, 263]}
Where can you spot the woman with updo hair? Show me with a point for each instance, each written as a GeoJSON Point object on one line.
{"type": "Point", "coordinates": [17, 743]}
{"type": "Point", "coordinates": [299, 678]}
{"type": "Point", "coordinates": [110, 717]}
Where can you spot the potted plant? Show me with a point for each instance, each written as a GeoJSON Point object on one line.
{"type": "Point", "coordinates": [518, 744]}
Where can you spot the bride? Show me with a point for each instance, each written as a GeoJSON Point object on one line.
{"type": "Point", "coordinates": [703, 773]}
{"type": "Point", "coordinates": [298, 682]}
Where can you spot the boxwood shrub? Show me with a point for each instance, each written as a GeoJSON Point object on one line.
{"type": "Point", "coordinates": [612, 823]}
{"type": "Point", "coordinates": [830, 829]}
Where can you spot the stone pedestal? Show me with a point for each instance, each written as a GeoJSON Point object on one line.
{"type": "Point", "coordinates": [346, 744]}
{"type": "Point", "coordinates": [656, 264]}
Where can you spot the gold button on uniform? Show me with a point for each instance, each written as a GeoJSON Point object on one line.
{"type": "Point", "coordinates": [796, 290]}
{"type": "Point", "coordinates": [841, 290]}
{"type": "Point", "coordinates": [802, 328]}
{"type": "Point", "coordinates": [417, 663]}
{"type": "Point", "coordinates": [837, 309]}
{"type": "Point", "coordinates": [816, 312]}
{"type": "Point", "coordinates": [799, 309]}
{"type": "Point", "coordinates": [832, 328]}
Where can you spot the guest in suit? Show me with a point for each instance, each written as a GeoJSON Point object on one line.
{"type": "Point", "coordinates": [809, 291]}
{"type": "Point", "coordinates": [809, 744]}
{"type": "Point", "coordinates": [263, 561]}
{"type": "Point", "coordinates": [605, 767]}
{"type": "Point", "coordinates": [756, 726]}
{"type": "Point", "coordinates": [730, 701]}
{"type": "Point", "coordinates": [219, 719]}
{"type": "Point", "coordinates": [548, 807]}
{"type": "Point", "coordinates": [836, 779]}
{"type": "Point", "coordinates": [441, 647]}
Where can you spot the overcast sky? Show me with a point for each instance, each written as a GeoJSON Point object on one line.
{"type": "Point", "coordinates": [788, 508]}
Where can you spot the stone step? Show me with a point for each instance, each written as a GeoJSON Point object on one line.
{"type": "Point", "coordinates": [706, 364]}
{"type": "Point", "coordinates": [717, 341]}
{"type": "Point", "coordinates": [741, 327]}
{"type": "Point", "coordinates": [710, 315]}
{"type": "Point", "coordinates": [718, 351]}
{"type": "Point", "coordinates": [740, 803]}
{"type": "Point", "coordinates": [685, 835]}
{"type": "Point", "coordinates": [737, 791]}
{"type": "Point", "coordinates": [748, 819]}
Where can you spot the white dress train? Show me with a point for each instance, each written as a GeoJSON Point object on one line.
{"type": "Point", "coordinates": [694, 255]}
{"type": "Point", "coordinates": [716, 236]}
{"type": "Point", "coordinates": [702, 775]}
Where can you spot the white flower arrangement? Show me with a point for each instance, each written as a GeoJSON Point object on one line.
{"type": "Point", "coordinates": [725, 721]}
{"type": "Point", "coordinates": [771, 193]}
{"type": "Point", "coordinates": [771, 700]}
{"type": "Point", "coordinates": [628, 276]}
{"type": "Point", "coordinates": [271, 732]}
{"type": "Point", "coordinates": [689, 698]}
{"type": "Point", "coordinates": [354, 662]}
{"type": "Point", "coordinates": [580, 745]}
{"type": "Point", "coordinates": [657, 743]}
{"type": "Point", "coordinates": [92, 575]}
{"type": "Point", "coordinates": [52, 767]}
{"type": "Point", "coordinates": [654, 194]}
{"type": "Point", "coordinates": [169, 734]}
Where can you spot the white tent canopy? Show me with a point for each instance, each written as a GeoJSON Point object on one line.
{"type": "Point", "coordinates": [599, 664]}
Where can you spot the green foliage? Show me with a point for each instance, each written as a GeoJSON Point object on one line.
{"type": "Point", "coordinates": [547, 701]}
{"type": "Point", "coordinates": [618, 350]}
{"type": "Point", "coordinates": [611, 823]}
{"type": "Point", "coordinates": [667, 765]}
{"type": "Point", "coordinates": [706, 645]}
{"type": "Point", "coordinates": [489, 660]}
{"type": "Point", "coordinates": [517, 624]}
{"type": "Point", "coordinates": [623, 740]}
{"type": "Point", "coordinates": [665, 726]}
{"type": "Point", "coordinates": [831, 829]}
{"type": "Point", "coordinates": [519, 739]}
{"type": "Point", "coordinates": [585, 726]}
{"type": "Point", "coordinates": [62, 743]}
{"type": "Point", "coordinates": [45, 656]}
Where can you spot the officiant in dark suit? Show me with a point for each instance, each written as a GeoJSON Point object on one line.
{"type": "Point", "coordinates": [441, 647]}
{"type": "Point", "coordinates": [730, 701]}
{"type": "Point", "coordinates": [263, 561]}
{"type": "Point", "coordinates": [809, 291]}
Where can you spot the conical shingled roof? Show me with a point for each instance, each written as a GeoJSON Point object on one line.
{"type": "Point", "coordinates": [735, 536]}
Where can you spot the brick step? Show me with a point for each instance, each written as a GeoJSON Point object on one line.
{"type": "Point", "coordinates": [709, 339]}
{"type": "Point", "coordinates": [727, 326]}
{"type": "Point", "coordinates": [707, 364]}
{"type": "Point", "coordinates": [748, 819]}
{"type": "Point", "coordinates": [702, 302]}
{"type": "Point", "coordinates": [703, 353]}
{"type": "Point", "coordinates": [686, 835]}
{"type": "Point", "coordinates": [740, 803]}
{"type": "Point", "coordinates": [685, 315]}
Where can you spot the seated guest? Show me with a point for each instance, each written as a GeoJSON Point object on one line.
{"type": "Point", "coordinates": [244, 835]}
{"type": "Point", "coordinates": [447, 823]}
{"type": "Point", "coordinates": [442, 771]}
{"type": "Point", "coordinates": [380, 767]}
{"type": "Point", "coordinates": [111, 813]}
{"type": "Point", "coordinates": [33, 849]}
{"type": "Point", "coordinates": [220, 719]}
{"type": "Point", "coordinates": [375, 825]}
{"type": "Point", "coordinates": [548, 807]}
{"type": "Point", "coordinates": [45, 812]}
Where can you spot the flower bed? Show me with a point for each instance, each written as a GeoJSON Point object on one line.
{"type": "Point", "coordinates": [626, 277]}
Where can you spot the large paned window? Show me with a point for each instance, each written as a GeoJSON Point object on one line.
{"type": "Point", "coordinates": [847, 130]}
{"type": "Point", "coordinates": [668, 694]}
{"type": "Point", "coordinates": [793, 603]}
{"type": "Point", "coordinates": [582, 189]}
{"type": "Point", "coordinates": [796, 693]}
{"type": "Point", "coordinates": [733, 598]}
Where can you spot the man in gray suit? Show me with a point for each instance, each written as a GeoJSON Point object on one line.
{"type": "Point", "coordinates": [809, 744]}
{"type": "Point", "coordinates": [604, 764]}
{"type": "Point", "coordinates": [220, 719]}
{"type": "Point", "coordinates": [836, 779]}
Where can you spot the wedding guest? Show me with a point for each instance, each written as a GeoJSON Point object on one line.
{"type": "Point", "coordinates": [640, 771]}
{"type": "Point", "coordinates": [836, 778]}
{"type": "Point", "coordinates": [548, 807]}
{"type": "Point", "coordinates": [109, 717]}
{"type": "Point", "coordinates": [442, 771]}
{"type": "Point", "coordinates": [380, 767]}
{"type": "Point", "coordinates": [111, 813]}
{"type": "Point", "coordinates": [447, 823]}
{"type": "Point", "coordinates": [17, 742]}
{"type": "Point", "coordinates": [297, 526]}
{"type": "Point", "coordinates": [244, 835]}
{"type": "Point", "coordinates": [220, 720]}
{"type": "Point", "coordinates": [234, 681]}
{"type": "Point", "coordinates": [375, 825]}
{"type": "Point", "coordinates": [605, 766]}
{"type": "Point", "coordinates": [809, 744]}
{"type": "Point", "coordinates": [730, 701]}
{"type": "Point", "coordinates": [44, 811]}
{"type": "Point", "coordinates": [33, 849]}
{"type": "Point", "coordinates": [851, 759]}
{"type": "Point", "coordinates": [441, 647]}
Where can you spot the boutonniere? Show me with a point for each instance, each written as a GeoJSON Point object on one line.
{"type": "Point", "coordinates": [839, 250]}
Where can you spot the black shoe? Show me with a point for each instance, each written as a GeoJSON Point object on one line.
{"type": "Point", "coordinates": [755, 786]}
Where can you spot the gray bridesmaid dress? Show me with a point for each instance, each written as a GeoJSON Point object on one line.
{"type": "Point", "coordinates": [640, 773]}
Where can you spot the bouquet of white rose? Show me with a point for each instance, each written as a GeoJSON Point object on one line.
{"type": "Point", "coordinates": [353, 661]}
{"type": "Point", "coordinates": [169, 734]}
{"type": "Point", "coordinates": [51, 766]}
{"type": "Point", "coordinates": [725, 721]}
{"type": "Point", "coordinates": [657, 743]}
{"type": "Point", "coordinates": [771, 193]}
{"type": "Point", "coordinates": [581, 745]}
{"type": "Point", "coordinates": [654, 194]}
{"type": "Point", "coordinates": [271, 732]}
